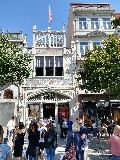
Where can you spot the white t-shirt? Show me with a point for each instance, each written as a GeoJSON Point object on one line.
{"type": "Point", "coordinates": [42, 131]}
{"type": "Point", "coordinates": [65, 124]}
{"type": "Point", "coordinates": [94, 125]}
{"type": "Point", "coordinates": [11, 125]}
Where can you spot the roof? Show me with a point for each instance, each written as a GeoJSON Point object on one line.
{"type": "Point", "coordinates": [90, 4]}
{"type": "Point", "coordinates": [117, 15]}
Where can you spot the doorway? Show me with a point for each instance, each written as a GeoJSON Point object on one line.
{"type": "Point", "coordinates": [49, 110]}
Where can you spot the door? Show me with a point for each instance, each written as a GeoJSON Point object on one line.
{"type": "Point", "coordinates": [49, 110]}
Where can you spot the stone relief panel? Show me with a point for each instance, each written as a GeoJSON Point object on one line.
{"type": "Point", "coordinates": [43, 52]}
{"type": "Point", "coordinates": [48, 82]}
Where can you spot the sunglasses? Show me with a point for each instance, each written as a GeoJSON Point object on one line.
{"type": "Point", "coordinates": [80, 123]}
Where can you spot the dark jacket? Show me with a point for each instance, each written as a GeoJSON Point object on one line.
{"type": "Point", "coordinates": [33, 138]}
{"type": "Point", "coordinates": [50, 139]}
{"type": "Point", "coordinates": [77, 144]}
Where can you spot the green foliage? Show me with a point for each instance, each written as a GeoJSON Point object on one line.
{"type": "Point", "coordinates": [14, 66]}
{"type": "Point", "coordinates": [100, 70]}
{"type": "Point", "coordinates": [116, 22]}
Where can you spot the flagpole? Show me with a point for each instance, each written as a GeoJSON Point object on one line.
{"type": "Point", "coordinates": [49, 18]}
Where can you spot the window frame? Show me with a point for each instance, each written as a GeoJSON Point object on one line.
{"type": "Point", "coordinates": [82, 22]}
{"type": "Point", "coordinates": [94, 22]}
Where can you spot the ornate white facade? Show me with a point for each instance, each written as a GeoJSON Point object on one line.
{"type": "Point", "coordinates": [59, 85]}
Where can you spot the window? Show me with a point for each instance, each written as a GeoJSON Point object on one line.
{"type": "Point", "coordinates": [40, 66]}
{"type": "Point", "coordinates": [82, 23]}
{"type": "Point", "coordinates": [58, 66]}
{"type": "Point", "coordinates": [94, 23]}
{"type": "Point", "coordinates": [83, 47]}
{"type": "Point", "coordinates": [97, 43]}
{"type": "Point", "coordinates": [49, 65]}
{"type": "Point", "coordinates": [106, 23]}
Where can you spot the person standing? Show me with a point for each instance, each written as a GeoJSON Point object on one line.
{"type": "Point", "coordinates": [5, 150]}
{"type": "Point", "coordinates": [42, 129]}
{"type": "Point", "coordinates": [94, 126]}
{"type": "Point", "coordinates": [99, 127]}
{"type": "Point", "coordinates": [10, 127]}
{"type": "Point", "coordinates": [19, 141]}
{"type": "Point", "coordinates": [33, 137]}
{"type": "Point", "coordinates": [76, 139]}
{"type": "Point", "coordinates": [61, 127]}
{"type": "Point", "coordinates": [114, 142]}
{"type": "Point", "coordinates": [65, 128]}
{"type": "Point", "coordinates": [69, 124]}
{"type": "Point", "coordinates": [50, 140]}
{"type": "Point", "coordinates": [84, 136]}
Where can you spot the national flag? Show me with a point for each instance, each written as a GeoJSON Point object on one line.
{"type": "Point", "coordinates": [50, 15]}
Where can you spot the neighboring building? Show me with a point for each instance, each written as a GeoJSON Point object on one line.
{"type": "Point", "coordinates": [50, 90]}
{"type": "Point", "coordinates": [9, 93]}
{"type": "Point", "coordinates": [90, 24]}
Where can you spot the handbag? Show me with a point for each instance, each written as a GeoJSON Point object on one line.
{"type": "Point", "coordinates": [71, 152]}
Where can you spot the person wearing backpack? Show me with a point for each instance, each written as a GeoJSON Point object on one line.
{"type": "Point", "coordinates": [50, 141]}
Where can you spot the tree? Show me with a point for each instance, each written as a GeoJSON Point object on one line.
{"type": "Point", "coordinates": [100, 71]}
{"type": "Point", "coordinates": [116, 22]}
{"type": "Point", "coordinates": [14, 65]}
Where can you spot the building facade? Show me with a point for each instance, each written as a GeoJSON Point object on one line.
{"type": "Point", "coordinates": [89, 25]}
{"type": "Point", "coordinates": [50, 89]}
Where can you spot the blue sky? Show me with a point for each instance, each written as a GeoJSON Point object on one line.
{"type": "Point", "coordinates": [16, 15]}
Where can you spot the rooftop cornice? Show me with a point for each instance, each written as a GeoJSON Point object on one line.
{"type": "Point", "coordinates": [93, 9]}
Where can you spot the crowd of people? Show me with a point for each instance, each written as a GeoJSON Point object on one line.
{"type": "Point", "coordinates": [43, 138]}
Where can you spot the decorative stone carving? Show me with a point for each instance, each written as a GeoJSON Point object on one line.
{"type": "Point", "coordinates": [48, 82]}
{"type": "Point", "coordinates": [43, 52]}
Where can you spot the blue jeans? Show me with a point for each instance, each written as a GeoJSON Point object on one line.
{"type": "Point", "coordinates": [32, 158]}
{"type": "Point", "coordinates": [115, 157]}
{"type": "Point", "coordinates": [94, 132]}
{"type": "Point", "coordinates": [50, 154]}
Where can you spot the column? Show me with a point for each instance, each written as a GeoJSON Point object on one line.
{"type": "Point", "coordinates": [56, 113]}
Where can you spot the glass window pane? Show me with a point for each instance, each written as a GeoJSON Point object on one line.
{"type": "Point", "coordinates": [94, 19]}
{"type": "Point", "coordinates": [106, 19]}
{"type": "Point", "coordinates": [109, 25]}
{"type": "Point", "coordinates": [80, 25]}
{"type": "Point", "coordinates": [82, 19]}
{"type": "Point", "coordinates": [40, 61]}
{"type": "Point", "coordinates": [49, 61]}
{"type": "Point", "coordinates": [58, 61]}
{"type": "Point", "coordinates": [96, 25]}
{"type": "Point", "coordinates": [98, 43]}
{"type": "Point", "coordinates": [83, 43]}
{"type": "Point", "coordinates": [84, 25]}
{"type": "Point", "coordinates": [92, 25]}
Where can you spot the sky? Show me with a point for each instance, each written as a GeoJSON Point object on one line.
{"type": "Point", "coordinates": [16, 15]}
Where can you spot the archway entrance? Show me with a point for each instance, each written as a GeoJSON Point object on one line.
{"type": "Point", "coordinates": [49, 104]}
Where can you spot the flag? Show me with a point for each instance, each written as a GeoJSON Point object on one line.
{"type": "Point", "coordinates": [50, 15]}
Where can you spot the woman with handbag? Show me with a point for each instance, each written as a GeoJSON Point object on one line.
{"type": "Point", "coordinates": [73, 146]}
